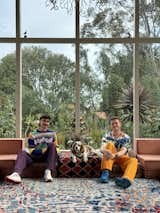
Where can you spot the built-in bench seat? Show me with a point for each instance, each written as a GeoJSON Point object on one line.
{"type": "Point", "coordinates": [9, 149]}
{"type": "Point", "coordinates": [148, 153]}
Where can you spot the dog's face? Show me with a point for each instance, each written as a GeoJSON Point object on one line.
{"type": "Point", "coordinates": [77, 147]}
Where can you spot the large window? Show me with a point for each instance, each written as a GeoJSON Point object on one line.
{"type": "Point", "coordinates": [48, 85]}
{"type": "Point", "coordinates": [7, 90]}
{"type": "Point", "coordinates": [150, 90]}
{"type": "Point", "coordinates": [106, 86]}
{"type": "Point", "coordinates": [81, 60]}
{"type": "Point", "coordinates": [7, 18]}
{"type": "Point", "coordinates": [39, 19]}
{"type": "Point", "coordinates": [149, 18]}
{"type": "Point", "coordinates": [107, 19]}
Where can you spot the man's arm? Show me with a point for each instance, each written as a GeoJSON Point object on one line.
{"type": "Point", "coordinates": [123, 142]}
{"type": "Point", "coordinates": [106, 153]}
{"type": "Point", "coordinates": [55, 141]}
{"type": "Point", "coordinates": [122, 151]}
{"type": "Point", "coordinates": [103, 143]}
{"type": "Point", "coordinates": [109, 155]}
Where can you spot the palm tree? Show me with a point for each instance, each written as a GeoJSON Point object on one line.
{"type": "Point", "coordinates": [125, 104]}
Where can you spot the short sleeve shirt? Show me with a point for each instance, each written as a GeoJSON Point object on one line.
{"type": "Point", "coordinates": [122, 141]}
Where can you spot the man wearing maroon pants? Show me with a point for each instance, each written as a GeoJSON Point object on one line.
{"type": "Point", "coordinates": [40, 147]}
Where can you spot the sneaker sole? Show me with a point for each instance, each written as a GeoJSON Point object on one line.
{"type": "Point", "coordinates": [48, 180]}
{"type": "Point", "coordinates": [103, 181]}
{"type": "Point", "coordinates": [124, 183]}
{"type": "Point", "coordinates": [12, 181]}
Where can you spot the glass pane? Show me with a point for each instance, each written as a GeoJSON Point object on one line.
{"type": "Point", "coordinates": [7, 18]}
{"type": "Point", "coordinates": [106, 87]}
{"type": "Point", "coordinates": [150, 90]}
{"type": "Point", "coordinates": [110, 18]}
{"type": "Point", "coordinates": [48, 85]}
{"type": "Point", "coordinates": [7, 90]}
{"type": "Point", "coordinates": [47, 22]}
{"type": "Point", "coordinates": [150, 18]}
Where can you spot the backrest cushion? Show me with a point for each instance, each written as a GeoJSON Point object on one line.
{"type": "Point", "coordinates": [148, 146]}
{"type": "Point", "coordinates": [11, 145]}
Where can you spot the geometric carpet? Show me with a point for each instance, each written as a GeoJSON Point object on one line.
{"type": "Point", "coordinates": [72, 195]}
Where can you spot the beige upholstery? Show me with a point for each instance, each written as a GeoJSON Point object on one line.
{"type": "Point", "coordinates": [8, 157]}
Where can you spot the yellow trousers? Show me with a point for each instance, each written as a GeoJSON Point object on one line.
{"type": "Point", "coordinates": [127, 164]}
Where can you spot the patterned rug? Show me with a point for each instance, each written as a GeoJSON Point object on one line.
{"type": "Point", "coordinates": [69, 195]}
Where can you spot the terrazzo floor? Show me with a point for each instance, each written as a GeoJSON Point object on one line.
{"type": "Point", "coordinates": [72, 195]}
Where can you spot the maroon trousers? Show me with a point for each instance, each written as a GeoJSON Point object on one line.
{"type": "Point", "coordinates": [24, 159]}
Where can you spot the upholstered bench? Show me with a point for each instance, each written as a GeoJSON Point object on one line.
{"type": "Point", "coordinates": [9, 149]}
{"type": "Point", "coordinates": [148, 153]}
{"type": "Point", "coordinates": [66, 168]}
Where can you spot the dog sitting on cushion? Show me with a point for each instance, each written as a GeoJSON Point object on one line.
{"type": "Point", "coordinates": [78, 149]}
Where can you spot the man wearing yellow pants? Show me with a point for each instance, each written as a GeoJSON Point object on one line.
{"type": "Point", "coordinates": [114, 147]}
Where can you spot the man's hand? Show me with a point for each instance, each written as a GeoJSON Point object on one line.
{"type": "Point", "coordinates": [108, 155]}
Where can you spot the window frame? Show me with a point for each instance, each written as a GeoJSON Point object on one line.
{"type": "Point", "coordinates": [136, 41]}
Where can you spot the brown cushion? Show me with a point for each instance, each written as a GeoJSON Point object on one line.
{"type": "Point", "coordinates": [152, 173]}
{"type": "Point", "coordinates": [148, 146]}
{"type": "Point", "coordinates": [11, 145]}
{"type": "Point", "coordinates": [150, 162]}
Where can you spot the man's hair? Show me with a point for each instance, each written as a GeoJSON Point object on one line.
{"type": "Point", "coordinates": [45, 117]}
{"type": "Point", "coordinates": [114, 118]}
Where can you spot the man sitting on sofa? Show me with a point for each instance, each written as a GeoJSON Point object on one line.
{"type": "Point", "coordinates": [40, 147]}
{"type": "Point", "coordinates": [114, 147]}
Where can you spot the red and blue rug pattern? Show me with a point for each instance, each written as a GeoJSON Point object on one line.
{"type": "Point", "coordinates": [72, 195]}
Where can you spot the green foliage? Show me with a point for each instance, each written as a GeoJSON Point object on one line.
{"type": "Point", "coordinates": [7, 116]}
{"type": "Point", "coordinates": [125, 103]}
{"type": "Point", "coordinates": [150, 19]}
{"type": "Point", "coordinates": [50, 77]}
{"type": "Point", "coordinates": [90, 84]}
{"type": "Point", "coordinates": [7, 75]}
{"type": "Point", "coordinates": [108, 21]}
{"type": "Point", "coordinates": [96, 132]}
{"type": "Point", "coordinates": [7, 96]}
{"type": "Point", "coordinates": [152, 127]}
{"type": "Point", "coordinates": [111, 93]}
{"type": "Point", "coordinates": [48, 84]}
{"type": "Point", "coordinates": [117, 66]}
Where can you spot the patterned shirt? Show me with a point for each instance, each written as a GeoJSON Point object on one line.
{"type": "Point", "coordinates": [37, 142]}
{"type": "Point", "coordinates": [122, 141]}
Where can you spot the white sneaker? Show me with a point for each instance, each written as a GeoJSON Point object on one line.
{"type": "Point", "coordinates": [47, 176]}
{"type": "Point", "coordinates": [14, 178]}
